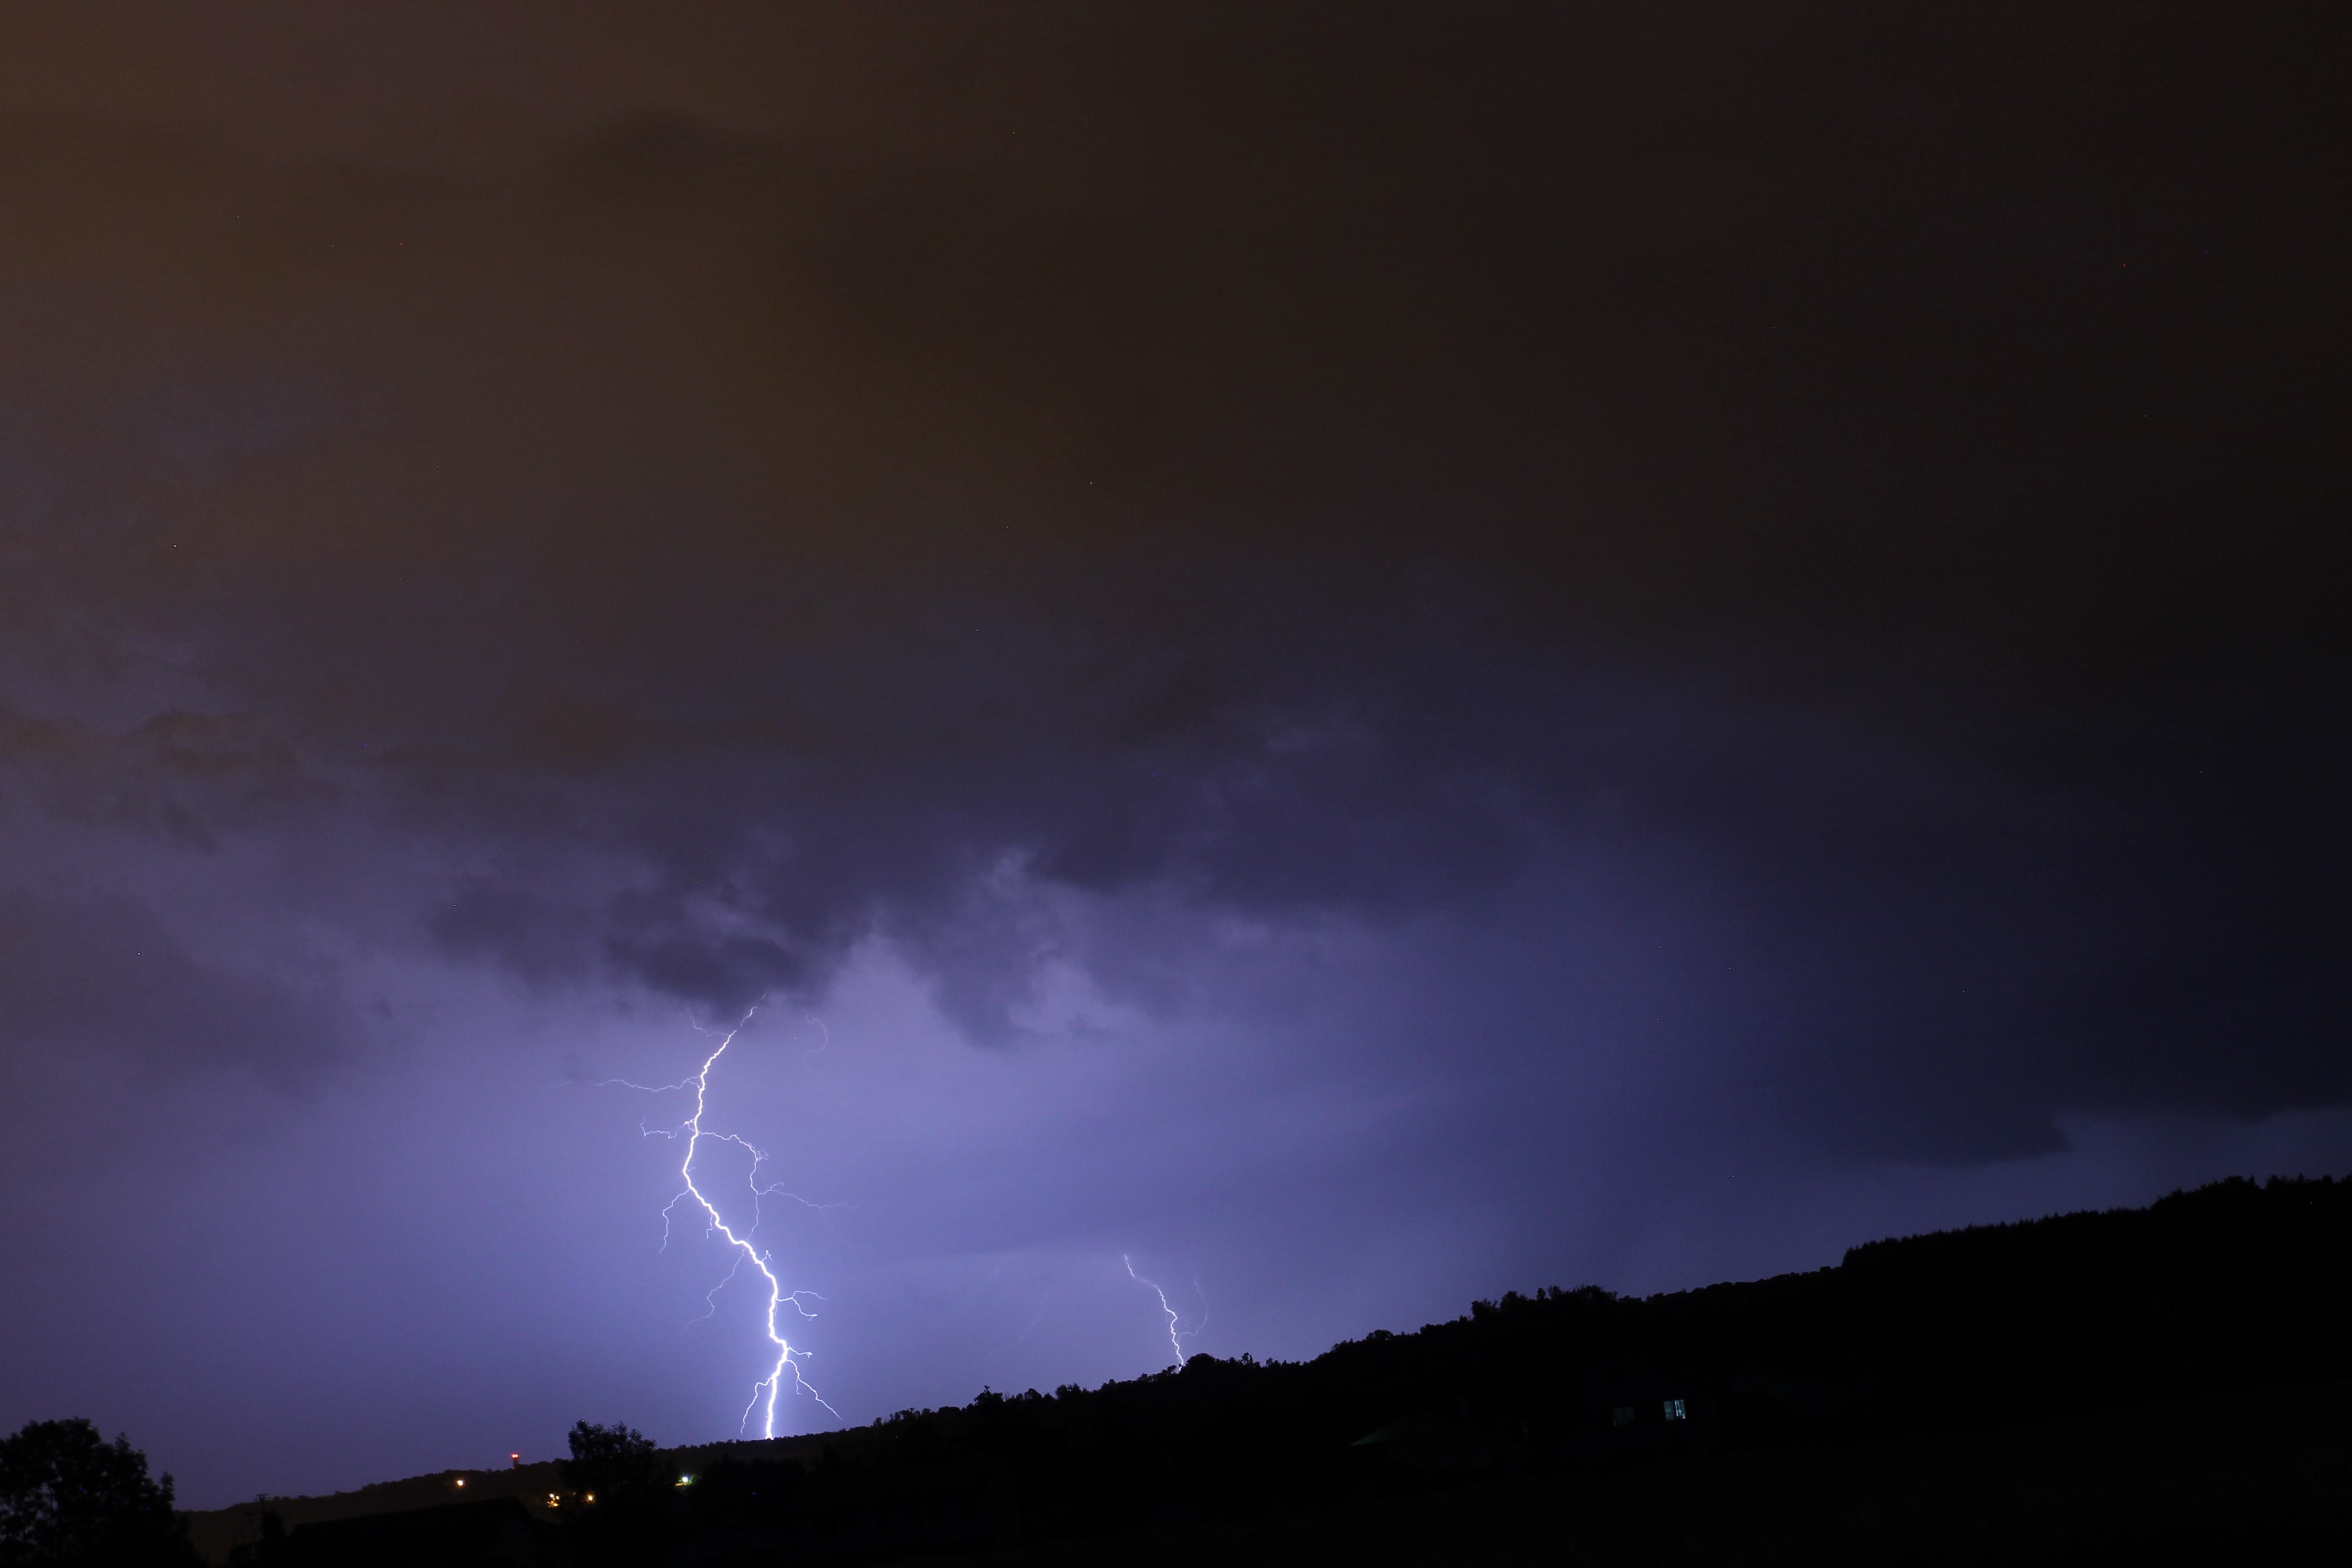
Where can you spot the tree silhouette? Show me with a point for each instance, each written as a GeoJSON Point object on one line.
{"type": "Point", "coordinates": [616, 1464]}
{"type": "Point", "coordinates": [68, 1496]}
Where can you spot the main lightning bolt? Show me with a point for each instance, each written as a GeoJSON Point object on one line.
{"type": "Point", "coordinates": [767, 1387]}
{"type": "Point", "coordinates": [1175, 1338]}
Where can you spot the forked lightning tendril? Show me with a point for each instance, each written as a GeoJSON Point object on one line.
{"type": "Point", "coordinates": [1176, 1334]}
{"type": "Point", "coordinates": [767, 1387]}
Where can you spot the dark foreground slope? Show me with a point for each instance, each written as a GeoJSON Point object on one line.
{"type": "Point", "coordinates": [2163, 1375]}
{"type": "Point", "coordinates": [2243, 1476]}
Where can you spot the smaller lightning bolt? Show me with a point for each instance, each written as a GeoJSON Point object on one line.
{"type": "Point", "coordinates": [1177, 1335]}
{"type": "Point", "coordinates": [767, 1387]}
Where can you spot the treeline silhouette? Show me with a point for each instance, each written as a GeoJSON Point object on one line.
{"type": "Point", "coordinates": [2232, 1287]}
{"type": "Point", "coordinates": [68, 1497]}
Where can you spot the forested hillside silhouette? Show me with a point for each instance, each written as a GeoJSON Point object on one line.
{"type": "Point", "coordinates": [69, 1498]}
{"type": "Point", "coordinates": [2206, 1315]}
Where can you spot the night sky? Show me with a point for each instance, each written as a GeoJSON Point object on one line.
{"type": "Point", "coordinates": [1366, 655]}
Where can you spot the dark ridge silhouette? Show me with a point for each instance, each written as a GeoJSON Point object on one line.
{"type": "Point", "coordinates": [2168, 1376]}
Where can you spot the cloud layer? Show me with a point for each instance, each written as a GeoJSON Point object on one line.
{"type": "Point", "coordinates": [1775, 574]}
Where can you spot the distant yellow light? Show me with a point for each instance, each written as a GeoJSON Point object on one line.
{"type": "Point", "coordinates": [461, 1481]}
{"type": "Point", "coordinates": [590, 1498]}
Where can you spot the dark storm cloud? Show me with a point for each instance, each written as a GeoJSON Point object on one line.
{"type": "Point", "coordinates": [91, 975]}
{"type": "Point", "coordinates": [1879, 467]}
{"type": "Point", "coordinates": [184, 776]}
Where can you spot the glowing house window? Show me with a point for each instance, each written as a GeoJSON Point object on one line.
{"type": "Point", "coordinates": [1674, 1411]}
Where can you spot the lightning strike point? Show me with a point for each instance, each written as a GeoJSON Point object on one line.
{"type": "Point", "coordinates": [764, 1392]}
{"type": "Point", "coordinates": [1175, 1337]}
